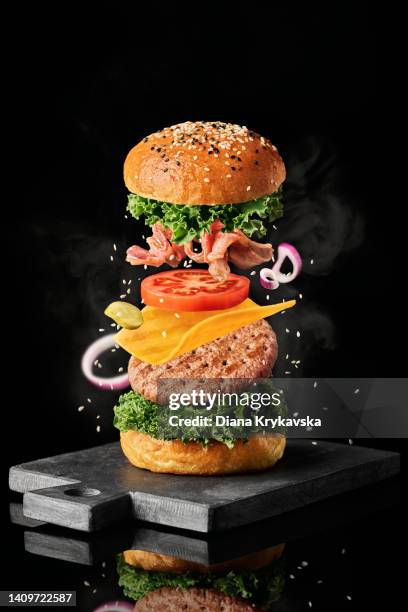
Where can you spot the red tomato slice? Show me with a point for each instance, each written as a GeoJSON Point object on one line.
{"type": "Point", "coordinates": [193, 290]}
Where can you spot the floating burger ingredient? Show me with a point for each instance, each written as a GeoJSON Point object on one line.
{"type": "Point", "coordinates": [124, 314]}
{"type": "Point", "coordinates": [271, 278]}
{"type": "Point", "coordinates": [192, 183]}
{"type": "Point", "coordinates": [160, 582]}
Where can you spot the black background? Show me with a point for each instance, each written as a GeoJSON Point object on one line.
{"type": "Point", "coordinates": [89, 81]}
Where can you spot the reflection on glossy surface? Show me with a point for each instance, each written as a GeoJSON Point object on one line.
{"type": "Point", "coordinates": [253, 581]}
{"type": "Point", "coordinates": [330, 559]}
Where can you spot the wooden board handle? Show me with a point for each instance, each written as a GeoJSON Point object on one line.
{"type": "Point", "coordinates": [76, 506]}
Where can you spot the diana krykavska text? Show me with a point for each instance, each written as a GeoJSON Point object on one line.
{"type": "Point", "coordinates": [232, 413]}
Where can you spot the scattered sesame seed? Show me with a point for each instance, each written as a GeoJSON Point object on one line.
{"type": "Point", "coordinates": [348, 597]}
{"type": "Point", "coordinates": [228, 175]}
{"type": "Point", "coordinates": [111, 257]}
{"type": "Point", "coordinates": [88, 399]}
{"type": "Point", "coordinates": [314, 443]}
{"type": "Point", "coordinates": [248, 188]}
{"type": "Point", "coordinates": [315, 384]}
{"type": "Point", "coordinates": [98, 428]}
{"type": "Point", "coordinates": [161, 300]}
{"type": "Point", "coordinates": [287, 330]}
{"type": "Point", "coordinates": [301, 296]}
{"type": "Point", "coordinates": [164, 333]}
{"type": "Point", "coordinates": [206, 180]}
{"type": "Point", "coordinates": [304, 564]}
{"type": "Point", "coordinates": [312, 262]}
{"type": "Point", "coordinates": [114, 247]}
{"type": "Point", "coordinates": [253, 272]}
{"type": "Point", "coordinates": [81, 408]}
{"type": "Point", "coordinates": [207, 169]}
{"type": "Point", "coordinates": [267, 297]}
{"type": "Point", "coordinates": [120, 369]}
{"type": "Point", "coordinates": [101, 329]}
{"type": "Point", "coordinates": [356, 391]}
{"type": "Point", "coordinates": [86, 583]}
{"type": "Point", "coordinates": [176, 314]}
{"type": "Point", "coordinates": [298, 334]}
{"type": "Point", "coordinates": [350, 442]}
{"type": "Point", "coordinates": [122, 296]}
{"type": "Point", "coordinates": [291, 576]}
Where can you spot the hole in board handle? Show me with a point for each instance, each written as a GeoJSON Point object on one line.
{"type": "Point", "coordinates": [82, 492]}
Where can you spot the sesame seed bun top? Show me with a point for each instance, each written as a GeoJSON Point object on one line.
{"type": "Point", "coordinates": [204, 163]}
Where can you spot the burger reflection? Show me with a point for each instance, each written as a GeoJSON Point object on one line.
{"type": "Point", "coordinates": [160, 582]}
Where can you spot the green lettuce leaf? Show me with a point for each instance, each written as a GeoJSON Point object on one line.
{"type": "Point", "coordinates": [134, 412]}
{"type": "Point", "coordinates": [188, 222]}
{"type": "Point", "coordinates": [263, 586]}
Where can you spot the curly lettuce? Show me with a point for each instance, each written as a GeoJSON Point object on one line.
{"type": "Point", "coordinates": [188, 222]}
{"type": "Point", "coordinates": [134, 412]}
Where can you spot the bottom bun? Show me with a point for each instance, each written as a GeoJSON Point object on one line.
{"type": "Point", "coordinates": [193, 599]}
{"type": "Point", "coordinates": [176, 457]}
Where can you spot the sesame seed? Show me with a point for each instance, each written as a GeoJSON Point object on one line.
{"type": "Point", "coordinates": [114, 247]}
{"type": "Point", "coordinates": [101, 329]}
{"type": "Point", "coordinates": [98, 428]}
{"type": "Point", "coordinates": [81, 408]}
{"type": "Point", "coordinates": [161, 300]}
{"type": "Point", "coordinates": [207, 169]}
{"type": "Point", "coordinates": [228, 175]}
{"type": "Point", "coordinates": [206, 180]}
{"type": "Point", "coordinates": [248, 188]}
{"type": "Point", "coordinates": [164, 333]}
{"type": "Point", "coordinates": [176, 314]}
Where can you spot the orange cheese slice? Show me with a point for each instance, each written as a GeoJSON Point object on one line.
{"type": "Point", "coordinates": [165, 335]}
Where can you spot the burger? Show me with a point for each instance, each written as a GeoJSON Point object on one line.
{"type": "Point", "coordinates": [156, 582]}
{"type": "Point", "coordinates": [208, 190]}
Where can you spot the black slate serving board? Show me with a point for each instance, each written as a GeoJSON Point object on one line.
{"type": "Point", "coordinates": [90, 489]}
{"type": "Point", "coordinates": [90, 548]}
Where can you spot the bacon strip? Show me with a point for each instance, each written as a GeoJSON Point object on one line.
{"type": "Point", "coordinates": [246, 253]}
{"type": "Point", "coordinates": [161, 250]}
{"type": "Point", "coordinates": [217, 249]}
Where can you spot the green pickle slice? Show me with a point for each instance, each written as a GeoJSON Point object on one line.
{"type": "Point", "coordinates": [124, 314]}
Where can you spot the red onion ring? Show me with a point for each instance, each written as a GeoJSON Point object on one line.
{"type": "Point", "coordinates": [92, 352]}
{"type": "Point", "coordinates": [267, 279]}
{"type": "Point", "coordinates": [271, 278]}
{"type": "Point", "coordinates": [115, 606]}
